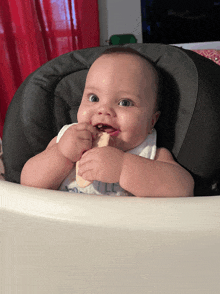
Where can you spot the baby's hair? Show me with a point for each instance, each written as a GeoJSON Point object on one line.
{"type": "Point", "coordinates": [128, 50]}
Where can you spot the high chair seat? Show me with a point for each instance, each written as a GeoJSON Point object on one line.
{"type": "Point", "coordinates": [189, 125]}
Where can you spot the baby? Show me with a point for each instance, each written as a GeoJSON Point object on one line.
{"type": "Point", "coordinates": [120, 98]}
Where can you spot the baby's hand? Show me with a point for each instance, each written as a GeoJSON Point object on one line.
{"type": "Point", "coordinates": [76, 140]}
{"type": "Point", "coordinates": [101, 164]}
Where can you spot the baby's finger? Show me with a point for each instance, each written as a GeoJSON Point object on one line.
{"type": "Point", "coordinates": [89, 152]}
{"type": "Point", "coordinates": [81, 181]}
{"type": "Point", "coordinates": [88, 127]}
{"type": "Point", "coordinates": [88, 177]}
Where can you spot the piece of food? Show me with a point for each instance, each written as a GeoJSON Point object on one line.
{"type": "Point", "coordinates": [101, 141]}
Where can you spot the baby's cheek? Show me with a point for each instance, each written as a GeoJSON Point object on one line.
{"type": "Point", "coordinates": [140, 132]}
{"type": "Point", "coordinates": [82, 115]}
{"type": "Point", "coordinates": [129, 124]}
{"type": "Point", "coordinates": [127, 121]}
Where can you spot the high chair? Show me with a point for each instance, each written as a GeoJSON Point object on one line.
{"type": "Point", "coordinates": [59, 242]}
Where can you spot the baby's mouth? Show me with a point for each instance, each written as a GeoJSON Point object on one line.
{"type": "Point", "coordinates": [108, 129]}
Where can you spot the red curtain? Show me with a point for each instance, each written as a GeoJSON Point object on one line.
{"type": "Point", "coordinates": [35, 31]}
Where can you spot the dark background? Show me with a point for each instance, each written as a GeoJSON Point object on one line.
{"type": "Point", "coordinates": [180, 21]}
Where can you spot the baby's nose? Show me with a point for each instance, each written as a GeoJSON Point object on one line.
{"type": "Point", "coordinates": [106, 109]}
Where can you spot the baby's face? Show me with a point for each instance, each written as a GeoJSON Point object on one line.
{"type": "Point", "coordinates": [120, 98]}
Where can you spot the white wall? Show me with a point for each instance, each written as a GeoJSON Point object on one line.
{"type": "Point", "coordinates": [119, 17]}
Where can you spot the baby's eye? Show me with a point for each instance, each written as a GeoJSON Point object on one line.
{"type": "Point", "coordinates": [93, 98]}
{"type": "Point", "coordinates": [126, 102]}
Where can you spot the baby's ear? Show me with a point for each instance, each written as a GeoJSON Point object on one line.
{"type": "Point", "coordinates": [155, 118]}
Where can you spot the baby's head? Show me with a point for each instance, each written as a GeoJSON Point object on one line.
{"type": "Point", "coordinates": [121, 93]}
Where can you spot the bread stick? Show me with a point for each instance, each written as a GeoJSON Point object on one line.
{"type": "Point", "coordinates": [101, 141]}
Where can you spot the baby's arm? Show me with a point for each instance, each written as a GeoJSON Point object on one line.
{"type": "Point", "coordinates": [159, 177]}
{"type": "Point", "coordinates": [49, 168]}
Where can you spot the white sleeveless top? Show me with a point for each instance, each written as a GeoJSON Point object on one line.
{"type": "Point", "coordinates": [146, 149]}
